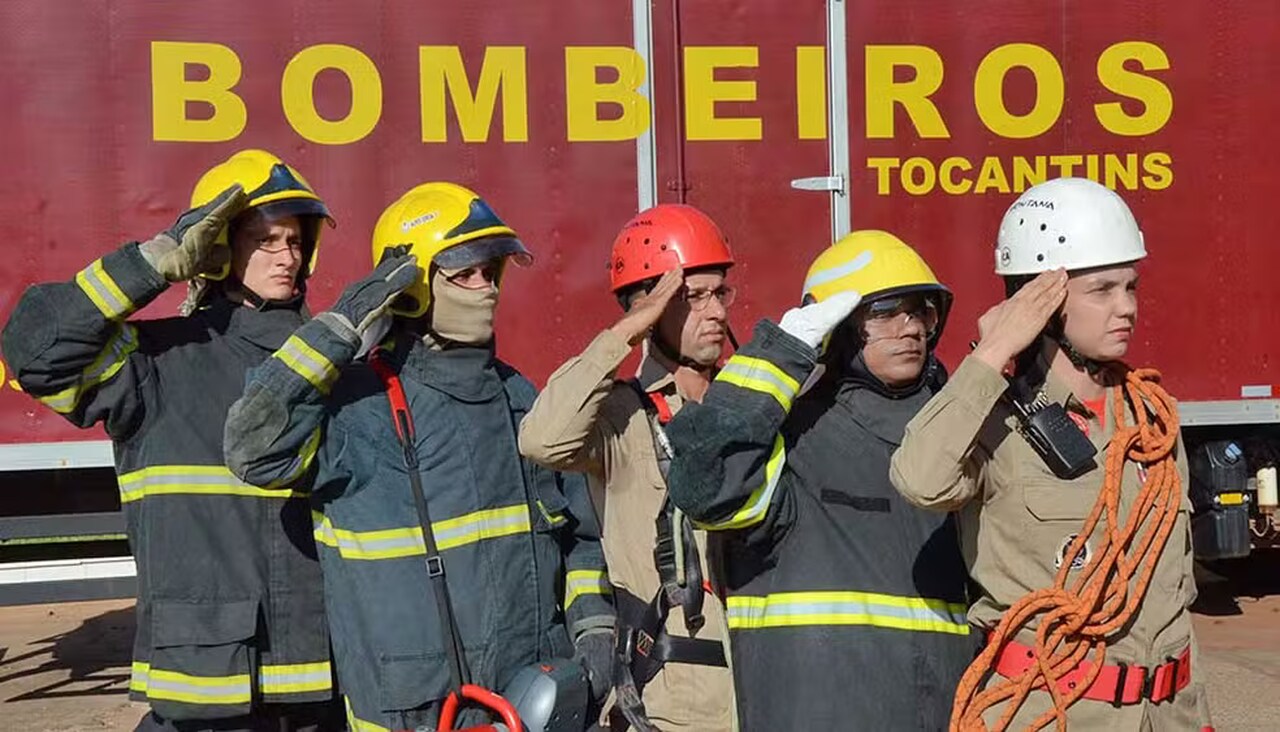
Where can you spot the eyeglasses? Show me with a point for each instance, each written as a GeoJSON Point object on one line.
{"type": "Point", "coordinates": [699, 299]}
{"type": "Point", "coordinates": [886, 311]}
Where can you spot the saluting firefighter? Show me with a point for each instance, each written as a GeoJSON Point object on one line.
{"type": "Point", "coordinates": [845, 603]}
{"type": "Point", "coordinates": [668, 268]}
{"type": "Point", "coordinates": [1071, 484]}
{"type": "Point", "coordinates": [230, 622]}
{"type": "Point", "coordinates": [520, 551]}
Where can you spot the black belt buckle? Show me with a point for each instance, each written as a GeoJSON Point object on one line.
{"type": "Point", "coordinates": [1118, 700]}
{"type": "Point", "coordinates": [1149, 683]}
{"type": "Point", "coordinates": [435, 566]}
{"type": "Point", "coordinates": [643, 643]}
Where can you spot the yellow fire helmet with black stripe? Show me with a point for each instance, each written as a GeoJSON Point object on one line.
{"type": "Point", "coordinates": [273, 187]}
{"type": "Point", "coordinates": [875, 264]}
{"type": "Point", "coordinates": [445, 225]}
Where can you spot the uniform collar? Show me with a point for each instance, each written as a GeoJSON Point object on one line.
{"type": "Point", "coordinates": [654, 376]}
{"type": "Point", "coordinates": [267, 328]}
{"type": "Point", "coordinates": [468, 374]}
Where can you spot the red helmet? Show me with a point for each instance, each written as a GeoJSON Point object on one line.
{"type": "Point", "coordinates": [660, 238]}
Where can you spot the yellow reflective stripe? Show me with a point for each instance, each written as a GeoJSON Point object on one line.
{"type": "Point", "coordinates": [579, 582]}
{"type": "Point", "coordinates": [451, 533]}
{"type": "Point", "coordinates": [760, 375]}
{"type": "Point", "coordinates": [295, 678]}
{"type": "Point", "coordinates": [308, 363]}
{"type": "Point", "coordinates": [305, 456]}
{"type": "Point", "coordinates": [138, 676]}
{"type": "Point", "coordinates": [103, 291]}
{"type": "Point", "coordinates": [175, 686]}
{"type": "Point", "coordinates": [161, 480]}
{"type": "Point", "coordinates": [553, 519]}
{"type": "Point", "coordinates": [757, 504]}
{"type": "Point", "coordinates": [789, 609]}
{"type": "Point", "coordinates": [108, 363]}
{"type": "Point", "coordinates": [359, 725]}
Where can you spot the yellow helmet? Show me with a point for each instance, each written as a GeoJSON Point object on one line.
{"type": "Point", "coordinates": [273, 186]}
{"type": "Point", "coordinates": [875, 264]}
{"type": "Point", "coordinates": [445, 225]}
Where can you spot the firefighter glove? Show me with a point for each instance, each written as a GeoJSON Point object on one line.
{"type": "Point", "coordinates": [594, 651]}
{"type": "Point", "coordinates": [364, 303]}
{"type": "Point", "coordinates": [190, 246]}
{"type": "Point", "coordinates": [812, 323]}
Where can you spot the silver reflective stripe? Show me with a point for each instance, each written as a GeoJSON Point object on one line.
{"type": "Point", "coordinates": [105, 366]}
{"type": "Point", "coordinates": [834, 273]}
{"type": "Point", "coordinates": [484, 525]}
{"type": "Point", "coordinates": [103, 291]}
{"type": "Point", "coordinates": [295, 678]}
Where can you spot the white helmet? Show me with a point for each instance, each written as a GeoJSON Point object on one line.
{"type": "Point", "coordinates": [1073, 223]}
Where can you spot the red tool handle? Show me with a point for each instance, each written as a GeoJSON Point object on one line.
{"type": "Point", "coordinates": [485, 698]}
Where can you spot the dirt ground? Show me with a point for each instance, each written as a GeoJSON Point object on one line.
{"type": "Point", "coordinates": [65, 667]}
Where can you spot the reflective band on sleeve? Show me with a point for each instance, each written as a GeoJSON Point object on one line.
{"type": "Point", "coordinates": [174, 686]}
{"type": "Point", "coordinates": [301, 462]}
{"type": "Point", "coordinates": [295, 678]}
{"type": "Point", "coordinates": [407, 542]}
{"type": "Point", "coordinates": [308, 363]}
{"type": "Point", "coordinates": [757, 504]}
{"type": "Point", "coordinates": [759, 375]}
{"type": "Point", "coordinates": [214, 480]}
{"type": "Point", "coordinates": [108, 363]}
{"type": "Point", "coordinates": [789, 609]}
{"type": "Point", "coordinates": [103, 291]}
{"type": "Point", "coordinates": [579, 582]}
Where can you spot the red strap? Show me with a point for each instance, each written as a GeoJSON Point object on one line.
{"type": "Point", "coordinates": [660, 403]}
{"type": "Point", "coordinates": [395, 393]}
{"type": "Point", "coordinates": [1166, 679]}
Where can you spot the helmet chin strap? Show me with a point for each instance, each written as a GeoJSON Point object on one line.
{"type": "Point", "coordinates": [1056, 331]}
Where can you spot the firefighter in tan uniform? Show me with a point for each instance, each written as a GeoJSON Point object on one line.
{"type": "Point", "coordinates": [1092, 601]}
{"type": "Point", "coordinates": [667, 268]}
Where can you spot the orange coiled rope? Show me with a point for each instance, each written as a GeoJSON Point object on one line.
{"type": "Point", "coordinates": [1075, 621]}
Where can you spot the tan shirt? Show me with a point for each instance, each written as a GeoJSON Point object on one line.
{"type": "Point", "coordinates": [962, 453]}
{"type": "Point", "coordinates": [584, 420]}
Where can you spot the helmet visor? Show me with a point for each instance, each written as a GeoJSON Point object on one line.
{"type": "Point", "coordinates": [296, 207]}
{"type": "Point", "coordinates": [480, 251]}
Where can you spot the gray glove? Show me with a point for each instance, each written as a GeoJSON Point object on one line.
{"type": "Point", "coordinates": [362, 304]}
{"type": "Point", "coordinates": [188, 248]}
{"type": "Point", "coordinates": [594, 651]}
{"type": "Point", "coordinates": [812, 323]}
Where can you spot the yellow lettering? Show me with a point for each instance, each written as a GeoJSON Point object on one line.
{"type": "Point", "coordinates": [928, 177]}
{"type": "Point", "coordinates": [297, 94]}
{"type": "Point", "coordinates": [1091, 167]}
{"type": "Point", "coordinates": [1066, 164]}
{"type": "Point", "coordinates": [988, 90]}
{"type": "Point", "coordinates": [1025, 176]}
{"type": "Point", "coordinates": [171, 91]}
{"type": "Point", "coordinates": [883, 167]}
{"type": "Point", "coordinates": [811, 92]}
{"type": "Point", "coordinates": [882, 92]}
{"type": "Point", "coordinates": [702, 91]}
{"type": "Point", "coordinates": [1159, 171]}
{"type": "Point", "coordinates": [583, 95]}
{"type": "Point", "coordinates": [946, 173]}
{"type": "Point", "coordinates": [1155, 96]}
{"type": "Point", "coordinates": [991, 175]}
{"type": "Point", "coordinates": [503, 67]}
{"type": "Point", "coordinates": [1125, 173]}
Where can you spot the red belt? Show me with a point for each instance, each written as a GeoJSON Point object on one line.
{"type": "Point", "coordinates": [1119, 684]}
